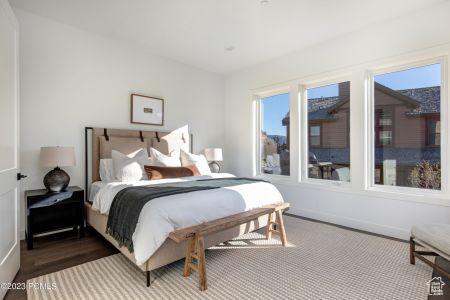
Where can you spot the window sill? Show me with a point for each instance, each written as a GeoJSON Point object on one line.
{"type": "Point", "coordinates": [282, 179]}
{"type": "Point", "coordinates": [309, 183]}
{"type": "Point", "coordinates": [431, 197]}
{"type": "Point", "coordinates": [428, 197]}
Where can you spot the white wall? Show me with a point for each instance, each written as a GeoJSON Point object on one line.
{"type": "Point", "coordinates": [411, 37]}
{"type": "Point", "coordinates": [71, 79]}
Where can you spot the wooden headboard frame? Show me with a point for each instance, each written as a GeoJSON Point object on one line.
{"type": "Point", "coordinates": [144, 138]}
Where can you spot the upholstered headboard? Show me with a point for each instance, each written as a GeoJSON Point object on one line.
{"type": "Point", "coordinates": [100, 141]}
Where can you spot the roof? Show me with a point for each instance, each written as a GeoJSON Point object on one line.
{"type": "Point", "coordinates": [411, 102]}
{"type": "Point", "coordinates": [318, 108]}
{"type": "Point", "coordinates": [421, 100]}
{"type": "Point", "coordinates": [429, 98]}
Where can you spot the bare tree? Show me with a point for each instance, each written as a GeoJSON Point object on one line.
{"type": "Point", "coordinates": [426, 175]}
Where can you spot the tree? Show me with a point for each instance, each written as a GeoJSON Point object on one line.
{"type": "Point", "coordinates": [426, 175]}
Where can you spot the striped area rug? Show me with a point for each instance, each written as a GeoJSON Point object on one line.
{"type": "Point", "coordinates": [322, 262]}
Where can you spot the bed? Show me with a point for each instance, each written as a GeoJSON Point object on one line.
{"type": "Point", "coordinates": [153, 249]}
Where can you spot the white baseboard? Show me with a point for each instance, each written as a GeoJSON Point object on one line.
{"type": "Point", "coordinates": [390, 231]}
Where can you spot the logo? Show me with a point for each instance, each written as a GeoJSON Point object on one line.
{"type": "Point", "coordinates": [436, 286]}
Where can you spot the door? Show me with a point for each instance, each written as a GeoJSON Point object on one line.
{"type": "Point", "coordinates": [9, 140]}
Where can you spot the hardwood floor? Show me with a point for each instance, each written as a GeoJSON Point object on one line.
{"type": "Point", "coordinates": [56, 252]}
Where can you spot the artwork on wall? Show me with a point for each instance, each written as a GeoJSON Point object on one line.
{"type": "Point", "coordinates": [147, 110]}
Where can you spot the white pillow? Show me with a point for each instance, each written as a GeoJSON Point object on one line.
{"type": "Point", "coordinates": [163, 160]}
{"type": "Point", "coordinates": [107, 170]}
{"type": "Point", "coordinates": [198, 160]}
{"type": "Point", "coordinates": [129, 167]}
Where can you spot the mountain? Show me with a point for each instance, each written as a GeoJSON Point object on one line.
{"type": "Point", "coordinates": [279, 139]}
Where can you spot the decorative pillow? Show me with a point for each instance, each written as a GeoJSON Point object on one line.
{"type": "Point", "coordinates": [156, 172]}
{"type": "Point", "coordinates": [129, 167]}
{"type": "Point", "coordinates": [107, 170]}
{"type": "Point", "coordinates": [198, 160]}
{"type": "Point", "coordinates": [147, 161]}
{"type": "Point", "coordinates": [163, 160]}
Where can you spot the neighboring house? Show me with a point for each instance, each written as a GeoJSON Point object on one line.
{"type": "Point", "coordinates": [399, 117]}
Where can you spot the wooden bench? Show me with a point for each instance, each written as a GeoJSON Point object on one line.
{"type": "Point", "coordinates": [195, 242]}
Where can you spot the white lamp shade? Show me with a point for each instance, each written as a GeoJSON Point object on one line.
{"type": "Point", "coordinates": [57, 157]}
{"type": "Point", "coordinates": [213, 154]}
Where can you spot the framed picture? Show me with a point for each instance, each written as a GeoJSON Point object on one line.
{"type": "Point", "coordinates": [147, 110]}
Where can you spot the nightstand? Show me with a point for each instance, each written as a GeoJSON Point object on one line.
{"type": "Point", "coordinates": [48, 211]}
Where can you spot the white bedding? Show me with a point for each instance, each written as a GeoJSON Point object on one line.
{"type": "Point", "coordinates": [161, 216]}
{"type": "Point", "coordinates": [95, 187]}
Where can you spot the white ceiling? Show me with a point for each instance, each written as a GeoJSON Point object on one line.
{"type": "Point", "coordinates": [196, 32]}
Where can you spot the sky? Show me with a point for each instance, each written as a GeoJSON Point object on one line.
{"type": "Point", "coordinates": [276, 107]}
{"type": "Point", "coordinates": [412, 78]}
{"type": "Point", "coordinates": [331, 90]}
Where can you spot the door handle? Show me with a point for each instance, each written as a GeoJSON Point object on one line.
{"type": "Point", "coordinates": [21, 176]}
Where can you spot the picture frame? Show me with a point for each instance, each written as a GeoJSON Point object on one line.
{"type": "Point", "coordinates": [147, 110]}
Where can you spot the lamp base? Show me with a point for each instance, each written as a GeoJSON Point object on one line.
{"type": "Point", "coordinates": [56, 180]}
{"type": "Point", "coordinates": [214, 166]}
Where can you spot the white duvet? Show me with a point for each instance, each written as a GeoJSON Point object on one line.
{"type": "Point", "coordinates": [161, 216]}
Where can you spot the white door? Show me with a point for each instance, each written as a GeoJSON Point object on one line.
{"type": "Point", "coordinates": [9, 139]}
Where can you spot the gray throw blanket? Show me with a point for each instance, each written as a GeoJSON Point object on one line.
{"type": "Point", "coordinates": [128, 203]}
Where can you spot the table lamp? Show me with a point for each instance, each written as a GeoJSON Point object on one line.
{"type": "Point", "coordinates": [57, 179]}
{"type": "Point", "coordinates": [214, 155]}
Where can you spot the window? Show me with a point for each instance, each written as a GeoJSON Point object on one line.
{"type": "Point", "coordinates": [407, 128]}
{"type": "Point", "coordinates": [383, 128]}
{"type": "Point", "coordinates": [329, 132]}
{"type": "Point", "coordinates": [274, 140]}
{"type": "Point", "coordinates": [314, 135]}
{"type": "Point", "coordinates": [433, 132]}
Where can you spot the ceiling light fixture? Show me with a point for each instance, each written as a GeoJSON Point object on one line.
{"type": "Point", "coordinates": [229, 48]}
{"type": "Point", "coordinates": [264, 2]}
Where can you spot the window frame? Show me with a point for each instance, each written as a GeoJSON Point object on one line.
{"type": "Point", "coordinates": [304, 131]}
{"type": "Point", "coordinates": [257, 98]}
{"type": "Point", "coordinates": [371, 125]}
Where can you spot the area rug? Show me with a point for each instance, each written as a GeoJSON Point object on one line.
{"type": "Point", "coordinates": [321, 262]}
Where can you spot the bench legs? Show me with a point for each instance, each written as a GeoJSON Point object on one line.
{"type": "Point", "coordinates": [412, 248]}
{"type": "Point", "coordinates": [281, 231]}
{"type": "Point", "coordinates": [201, 264]}
{"type": "Point", "coordinates": [196, 249]}
{"type": "Point", "coordinates": [269, 227]}
{"type": "Point", "coordinates": [281, 225]}
{"type": "Point", "coordinates": [189, 252]}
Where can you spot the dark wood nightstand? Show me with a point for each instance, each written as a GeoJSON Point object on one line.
{"type": "Point", "coordinates": [52, 211]}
